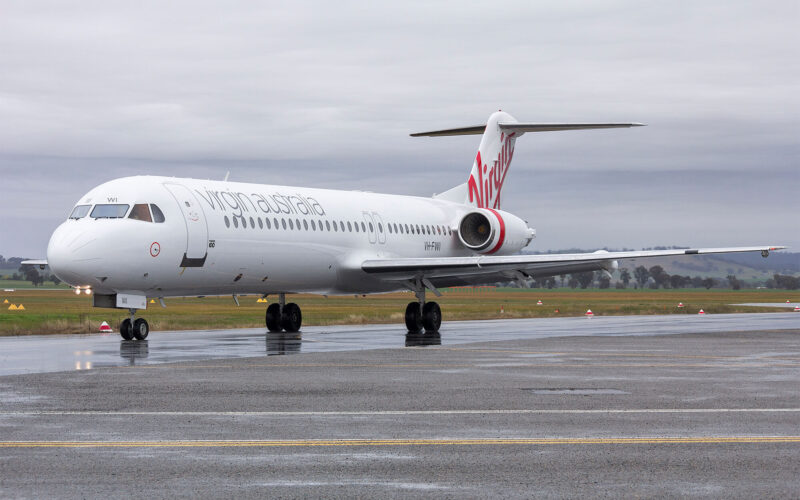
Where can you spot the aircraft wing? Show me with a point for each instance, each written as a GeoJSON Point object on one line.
{"type": "Point", "coordinates": [444, 270]}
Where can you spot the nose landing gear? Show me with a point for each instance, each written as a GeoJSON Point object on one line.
{"type": "Point", "coordinates": [131, 328]}
{"type": "Point", "coordinates": [283, 317]}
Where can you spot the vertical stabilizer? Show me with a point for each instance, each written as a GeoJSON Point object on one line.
{"type": "Point", "coordinates": [490, 168]}
{"type": "Point", "coordinates": [491, 164]}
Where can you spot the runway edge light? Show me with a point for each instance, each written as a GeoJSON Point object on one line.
{"type": "Point", "coordinates": [701, 312]}
{"type": "Point", "coordinates": [589, 313]}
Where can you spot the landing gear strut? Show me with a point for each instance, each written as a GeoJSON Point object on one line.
{"type": "Point", "coordinates": [131, 328]}
{"type": "Point", "coordinates": [421, 314]}
{"type": "Point", "coordinates": [283, 317]}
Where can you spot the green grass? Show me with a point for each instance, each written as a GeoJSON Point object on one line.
{"type": "Point", "coordinates": [26, 285]}
{"type": "Point", "coordinates": [61, 311]}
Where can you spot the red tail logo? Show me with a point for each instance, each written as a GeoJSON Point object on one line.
{"type": "Point", "coordinates": [485, 190]}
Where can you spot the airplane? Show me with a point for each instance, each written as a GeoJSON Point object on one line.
{"type": "Point", "coordinates": [141, 237]}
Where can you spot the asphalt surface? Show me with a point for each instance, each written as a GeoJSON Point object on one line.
{"type": "Point", "coordinates": [51, 353]}
{"type": "Point", "coordinates": [632, 409]}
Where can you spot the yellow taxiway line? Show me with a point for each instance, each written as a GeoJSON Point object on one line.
{"type": "Point", "coordinates": [401, 442]}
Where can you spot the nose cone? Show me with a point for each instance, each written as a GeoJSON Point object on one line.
{"type": "Point", "coordinates": [72, 254]}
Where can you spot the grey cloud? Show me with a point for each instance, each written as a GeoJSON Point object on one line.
{"type": "Point", "coordinates": [325, 94]}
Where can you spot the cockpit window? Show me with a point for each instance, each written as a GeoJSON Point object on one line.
{"type": "Point", "coordinates": [106, 211]}
{"type": "Point", "coordinates": [140, 212]}
{"type": "Point", "coordinates": [80, 211]}
{"type": "Point", "coordinates": [158, 215]}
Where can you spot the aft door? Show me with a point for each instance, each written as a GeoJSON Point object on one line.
{"type": "Point", "coordinates": [196, 226]}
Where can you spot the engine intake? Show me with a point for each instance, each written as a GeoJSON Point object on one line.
{"type": "Point", "coordinates": [476, 231]}
{"type": "Point", "coordinates": [494, 232]}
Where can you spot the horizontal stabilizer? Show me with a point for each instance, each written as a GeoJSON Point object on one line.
{"type": "Point", "coordinates": [525, 127]}
{"type": "Point", "coordinates": [35, 262]}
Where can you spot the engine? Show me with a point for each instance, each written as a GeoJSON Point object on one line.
{"type": "Point", "coordinates": [490, 231]}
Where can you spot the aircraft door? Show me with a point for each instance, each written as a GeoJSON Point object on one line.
{"type": "Point", "coordinates": [379, 228]}
{"type": "Point", "coordinates": [372, 230]}
{"type": "Point", "coordinates": [196, 226]}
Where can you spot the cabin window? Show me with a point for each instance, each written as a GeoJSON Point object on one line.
{"type": "Point", "coordinates": [313, 225]}
{"type": "Point", "coordinates": [235, 222]}
{"type": "Point", "coordinates": [252, 223]}
{"type": "Point", "coordinates": [260, 223]}
{"type": "Point", "coordinates": [355, 226]}
{"type": "Point", "coordinates": [349, 227]}
{"type": "Point", "coordinates": [298, 224]}
{"type": "Point", "coordinates": [335, 228]}
{"type": "Point", "coordinates": [140, 212]}
{"type": "Point", "coordinates": [158, 215]}
{"type": "Point", "coordinates": [341, 225]}
{"type": "Point", "coordinates": [328, 225]}
{"type": "Point", "coordinates": [363, 228]}
{"type": "Point", "coordinates": [283, 223]}
{"type": "Point", "coordinates": [106, 211]}
{"type": "Point", "coordinates": [244, 222]}
{"type": "Point", "coordinates": [371, 227]}
{"type": "Point", "coordinates": [80, 211]}
{"type": "Point", "coordinates": [266, 221]}
{"type": "Point", "coordinates": [390, 228]}
{"type": "Point", "coordinates": [227, 221]}
{"type": "Point", "coordinates": [291, 224]}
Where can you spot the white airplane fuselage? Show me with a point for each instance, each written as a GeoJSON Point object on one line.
{"type": "Point", "coordinates": [237, 238]}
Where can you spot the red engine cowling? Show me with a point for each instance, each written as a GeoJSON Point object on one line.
{"type": "Point", "coordinates": [490, 231]}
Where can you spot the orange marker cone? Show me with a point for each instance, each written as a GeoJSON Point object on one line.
{"type": "Point", "coordinates": [105, 328]}
{"type": "Point", "coordinates": [701, 312]}
{"type": "Point", "coordinates": [12, 307]}
{"type": "Point", "coordinates": [589, 313]}
{"type": "Point", "coordinates": [502, 309]}
{"type": "Point", "coordinates": [21, 308]}
{"type": "Point", "coordinates": [557, 310]}
{"type": "Point", "coordinates": [5, 301]}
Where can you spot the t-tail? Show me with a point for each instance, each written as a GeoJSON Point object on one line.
{"type": "Point", "coordinates": [490, 168]}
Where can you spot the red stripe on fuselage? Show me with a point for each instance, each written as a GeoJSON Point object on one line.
{"type": "Point", "coordinates": [502, 231]}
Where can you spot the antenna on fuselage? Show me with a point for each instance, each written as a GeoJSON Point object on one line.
{"type": "Point", "coordinates": [227, 174]}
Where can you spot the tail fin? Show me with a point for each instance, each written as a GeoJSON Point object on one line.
{"type": "Point", "coordinates": [491, 164]}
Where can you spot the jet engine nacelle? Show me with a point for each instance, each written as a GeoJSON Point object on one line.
{"type": "Point", "coordinates": [489, 231]}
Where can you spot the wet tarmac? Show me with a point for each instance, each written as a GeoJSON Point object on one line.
{"type": "Point", "coordinates": [53, 353]}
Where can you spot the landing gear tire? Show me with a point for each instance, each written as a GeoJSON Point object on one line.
{"type": "Point", "coordinates": [140, 329]}
{"type": "Point", "coordinates": [291, 317]}
{"type": "Point", "coordinates": [431, 317]}
{"type": "Point", "coordinates": [273, 318]}
{"type": "Point", "coordinates": [125, 329]}
{"type": "Point", "coordinates": [413, 317]}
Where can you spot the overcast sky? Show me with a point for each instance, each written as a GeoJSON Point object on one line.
{"type": "Point", "coordinates": [325, 94]}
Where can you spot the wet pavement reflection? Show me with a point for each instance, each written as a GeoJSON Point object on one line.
{"type": "Point", "coordinates": [51, 353]}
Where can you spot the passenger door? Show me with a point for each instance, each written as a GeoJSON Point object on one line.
{"type": "Point", "coordinates": [196, 225]}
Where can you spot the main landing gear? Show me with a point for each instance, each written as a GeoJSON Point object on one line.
{"type": "Point", "coordinates": [421, 314]}
{"type": "Point", "coordinates": [283, 317]}
{"type": "Point", "coordinates": [131, 328]}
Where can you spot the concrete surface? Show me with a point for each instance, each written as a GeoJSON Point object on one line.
{"type": "Point", "coordinates": [711, 414]}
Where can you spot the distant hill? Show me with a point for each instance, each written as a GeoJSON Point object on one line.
{"type": "Point", "coordinates": [749, 267]}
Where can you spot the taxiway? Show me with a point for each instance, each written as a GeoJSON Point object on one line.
{"type": "Point", "coordinates": [634, 406]}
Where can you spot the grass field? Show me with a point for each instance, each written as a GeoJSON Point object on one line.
{"type": "Point", "coordinates": [57, 311]}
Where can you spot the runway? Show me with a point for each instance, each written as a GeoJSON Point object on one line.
{"type": "Point", "coordinates": [51, 353]}
{"type": "Point", "coordinates": [659, 406]}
